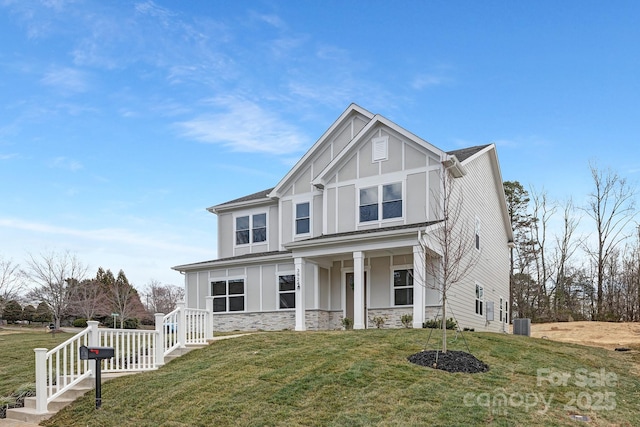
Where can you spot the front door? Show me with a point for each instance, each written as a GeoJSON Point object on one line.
{"type": "Point", "coordinates": [349, 302]}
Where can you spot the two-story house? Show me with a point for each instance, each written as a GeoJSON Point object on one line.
{"type": "Point", "coordinates": [346, 234]}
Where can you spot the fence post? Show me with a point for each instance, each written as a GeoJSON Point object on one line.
{"type": "Point", "coordinates": [41, 380]}
{"type": "Point", "coordinates": [94, 341]}
{"type": "Point", "coordinates": [160, 339]}
{"type": "Point", "coordinates": [182, 324]}
{"type": "Point", "coordinates": [208, 318]}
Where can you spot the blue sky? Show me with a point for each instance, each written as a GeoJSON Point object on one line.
{"type": "Point", "coordinates": [121, 121]}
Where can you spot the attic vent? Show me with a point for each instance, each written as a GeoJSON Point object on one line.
{"type": "Point", "coordinates": [380, 148]}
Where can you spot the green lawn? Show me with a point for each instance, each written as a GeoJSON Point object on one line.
{"type": "Point", "coordinates": [17, 358]}
{"type": "Point", "coordinates": [362, 378]}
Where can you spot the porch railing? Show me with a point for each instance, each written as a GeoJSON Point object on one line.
{"type": "Point", "coordinates": [60, 369]}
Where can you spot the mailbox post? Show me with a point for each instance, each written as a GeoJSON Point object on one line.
{"type": "Point", "coordinates": [97, 354]}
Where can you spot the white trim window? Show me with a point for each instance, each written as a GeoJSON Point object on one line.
{"type": "Point", "coordinates": [477, 233]}
{"type": "Point", "coordinates": [403, 287]}
{"type": "Point", "coordinates": [228, 295]}
{"type": "Point", "coordinates": [251, 229]}
{"type": "Point", "coordinates": [373, 207]}
{"type": "Point", "coordinates": [501, 303]}
{"type": "Point", "coordinates": [479, 300]}
{"type": "Point", "coordinates": [286, 291]}
{"type": "Point", "coordinates": [303, 218]}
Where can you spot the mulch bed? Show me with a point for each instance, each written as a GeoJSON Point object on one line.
{"type": "Point", "coordinates": [451, 361]}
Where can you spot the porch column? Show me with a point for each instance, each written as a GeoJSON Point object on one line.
{"type": "Point", "coordinates": [358, 291]}
{"type": "Point", "coordinates": [300, 292]}
{"type": "Point", "coordinates": [419, 285]}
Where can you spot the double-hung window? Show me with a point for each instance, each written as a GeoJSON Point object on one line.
{"type": "Point", "coordinates": [477, 233]}
{"type": "Point", "coordinates": [287, 291]}
{"type": "Point", "coordinates": [403, 287]}
{"type": "Point", "coordinates": [303, 219]}
{"type": "Point", "coordinates": [479, 299]}
{"type": "Point", "coordinates": [251, 229]}
{"type": "Point", "coordinates": [381, 202]}
{"type": "Point", "coordinates": [228, 295]}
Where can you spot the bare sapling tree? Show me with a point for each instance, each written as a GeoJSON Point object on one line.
{"type": "Point", "coordinates": [54, 275]}
{"type": "Point", "coordinates": [449, 250]}
{"type": "Point", "coordinates": [11, 282]}
{"type": "Point", "coordinates": [612, 208]}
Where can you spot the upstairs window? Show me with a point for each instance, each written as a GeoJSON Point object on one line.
{"type": "Point", "coordinates": [228, 295]}
{"type": "Point", "coordinates": [303, 220]}
{"type": "Point", "coordinates": [477, 233]}
{"type": "Point", "coordinates": [287, 291]}
{"type": "Point", "coordinates": [251, 229]}
{"type": "Point", "coordinates": [403, 287]}
{"type": "Point", "coordinates": [374, 207]}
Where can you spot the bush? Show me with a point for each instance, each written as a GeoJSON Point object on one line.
{"type": "Point", "coordinates": [437, 324]}
{"type": "Point", "coordinates": [347, 322]}
{"type": "Point", "coordinates": [406, 320]}
{"type": "Point", "coordinates": [80, 323]}
{"type": "Point", "coordinates": [378, 321]}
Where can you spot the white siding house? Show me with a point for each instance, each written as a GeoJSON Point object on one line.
{"type": "Point", "coordinates": [348, 233]}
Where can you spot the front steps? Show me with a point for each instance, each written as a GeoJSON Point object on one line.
{"type": "Point", "coordinates": [28, 414]}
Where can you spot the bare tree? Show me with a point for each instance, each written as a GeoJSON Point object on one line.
{"type": "Point", "coordinates": [611, 206]}
{"type": "Point", "coordinates": [454, 240]}
{"type": "Point", "coordinates": [125, 299]}
{"type": "Point", "coordinates": [54, 275]}
{"type": "Point", "coordinates": [162, 298]}
{"type": "Point", "coordinates": [89, 299]}
{"type": "Point", "coordinates": [11, 282]}
{"type": "Point", "coordinates": [565, 248]}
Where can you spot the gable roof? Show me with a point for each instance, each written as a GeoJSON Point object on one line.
{"type": "Point", "coordinates": [351, 111]}
{"type": "Point", "coordinates": [464, 153]}
{"type": "Point", "coordinates": [376, 120]}
{"type": "Point", "coordinates": [260, 196]}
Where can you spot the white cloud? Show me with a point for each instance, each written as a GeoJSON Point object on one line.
{"type": "Point", "coordinates": [8, 156]}
{"type": "Point", "coordinates": [244, 126]}
{"type": "Point", "coordinates": [65, 163]}
{"type": "Point", "coordinates": [65, 79]}
{"type": "Point", "coordinates": [105, 235]}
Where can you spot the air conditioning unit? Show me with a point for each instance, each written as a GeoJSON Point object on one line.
{"type": "Point", "coordinates": [522, 327]}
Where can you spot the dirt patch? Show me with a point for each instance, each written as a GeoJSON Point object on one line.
{"type": "Point", "coordinates": [596, 334]}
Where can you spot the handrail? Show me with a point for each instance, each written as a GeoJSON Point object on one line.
{"type": "Point", "coordinates": [59, 369]}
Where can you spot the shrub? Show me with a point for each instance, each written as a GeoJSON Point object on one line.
{"type": "Point", "coordinates": [347, 322]}
{"type": "Point", "coordinates": [406, 320]}
{"type": "Point", "coordinates": [437, 324]}
{"type": "Point", "coordinates": [378, 321]}
{"type": "Point", "coordinates": [80, 323]}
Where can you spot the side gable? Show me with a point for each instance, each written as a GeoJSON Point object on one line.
{"type": "Point", "coordinates": [468, 155]}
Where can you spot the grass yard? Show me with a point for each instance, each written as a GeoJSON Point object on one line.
{"type": "Point", "coordinates": [362, 378]}
{"type": "Point", "coordinates": [17, 358]}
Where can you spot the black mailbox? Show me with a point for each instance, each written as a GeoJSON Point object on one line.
{"type": "Point", "coordinates": [88, 353]}
{"type": "Point", "coordinates": [97, 354]}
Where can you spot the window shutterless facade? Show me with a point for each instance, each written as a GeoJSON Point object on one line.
{"type": "Point", "coordinates": [287, 291]}
{"type": "Point", "coordinates": [403, 287]}
{"type": "Point", "coordinates": [303, 218]}
{"type": "Point", "coordinates": [479, 300]}
{"type": "Point", "coordinates": [381, 202]}
{"type": "Point", "coordinates": [251, 229]}
{"type": "Point", "coordinates": [228, 295]}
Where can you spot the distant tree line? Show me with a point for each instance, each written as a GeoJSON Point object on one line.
{"type": "Point", "coordinates": [58, 284]}
{"type": "Point", "coordinates": [560, 272]}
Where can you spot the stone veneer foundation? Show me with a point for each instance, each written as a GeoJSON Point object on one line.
{"type": "Point", "coordinates": [315, 320]}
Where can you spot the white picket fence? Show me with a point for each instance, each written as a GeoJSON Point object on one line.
{"type": "Point", "coordinates": [60, 369]}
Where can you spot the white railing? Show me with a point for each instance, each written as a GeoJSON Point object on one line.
{"type": "Point", "coordinates": [60, 369]}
